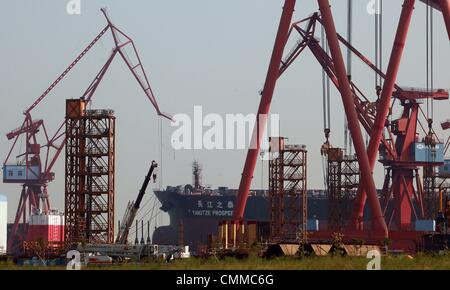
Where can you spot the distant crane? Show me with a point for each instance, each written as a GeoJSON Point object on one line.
{"type": "Point", "coordinates": [133, 207]}
{"type": "Point", "coordinates": [34, 172]}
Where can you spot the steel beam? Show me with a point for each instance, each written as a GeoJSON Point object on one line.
{"type": "Point", "coordinates": [384, 102]}
{"type": "Point", "coordinates": [445, 8]}
{"type": "Point", "coordinates": [352, 117]}
{"type": "Point", "coordinates": [264, 107]}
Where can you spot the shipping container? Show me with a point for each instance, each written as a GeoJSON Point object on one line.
{"type": "Point", "coordinates": [425, 225]}
{"type": "Point", "coordinates": [426, 153]}
{"type": "Point", "coordinates": [3, 224]}
{"type": "Point", "coordinates": [46, 227]}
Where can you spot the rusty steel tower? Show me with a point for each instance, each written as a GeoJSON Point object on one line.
{"type": "Point", "coordinates": [34, 171]}
{"type": "Point", "coordinates": [89, 193]}
{"type": "Point", "coordinates": [436, 182]}
{"type": "Point", "coordinates": [287, 191]}
{"type": "Point", "coordinates": [342, 185]}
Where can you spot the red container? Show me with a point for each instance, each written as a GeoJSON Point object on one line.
{"type": "Point", "coordinates": [47, 228]}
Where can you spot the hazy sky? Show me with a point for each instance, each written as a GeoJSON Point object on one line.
{"type": "Point", "coordinates": [212, 53]}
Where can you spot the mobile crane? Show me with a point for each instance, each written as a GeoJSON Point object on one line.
{"type": "Point", "coordinates": [133, 207]}
{"type": "Point", "coordinates": [120, 250]}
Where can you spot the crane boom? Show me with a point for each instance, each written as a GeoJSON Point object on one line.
{"type": "Point", "coordinates": [264, 107]}
{"type": "Point", "coordinates": [67, 70]}
{"type": "Point", "coordinates": [133, 208]}
{"type": "Point", "coordinates": [54, 144]}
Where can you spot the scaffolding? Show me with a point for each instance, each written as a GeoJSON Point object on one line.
{"type": "Point", "coordinates": [287, 191]}
{"type": "Point", "coordinates": [434, 184]}
{"type": "Point", "coordinates": [342, 183]}
{"type": "Point", "coordinates": [89, 192]}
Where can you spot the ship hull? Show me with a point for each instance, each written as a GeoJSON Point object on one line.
{"type": "Point", "coordinates": [194, 217]}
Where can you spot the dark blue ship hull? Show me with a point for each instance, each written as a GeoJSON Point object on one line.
{"type": "Point", "coordinates": [198, 215]}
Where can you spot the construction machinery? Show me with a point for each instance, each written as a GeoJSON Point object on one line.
{"type": "Point", "coordinates": [33, 171]}
{"type": "Point", "coordinates": [403, 153]}
{"type": "Point", "coordinates": [133, 207]}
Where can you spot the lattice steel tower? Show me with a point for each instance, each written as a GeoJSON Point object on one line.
{"type": "Point", "coordinates": [287, 191]}
{"type": "Point", "coordinates": [89, 193]}
{"type": "Point", "coordinates": [342, 183]}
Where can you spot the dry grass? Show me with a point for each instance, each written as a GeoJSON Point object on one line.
{"type": "Point", "coordinates": [419, 262]}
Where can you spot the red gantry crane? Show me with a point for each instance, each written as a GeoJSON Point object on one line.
{"type": "Point", "coordinates": [34, 171]}
{"type": "Point", "coordinates": [373, 116]}
{"type": "Point", "coordinates": [401, 134]}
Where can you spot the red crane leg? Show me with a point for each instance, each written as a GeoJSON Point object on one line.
{"type": "Point", "coordinates": [384, 103]}
{"type": "Point", "coordinates": [264, 106]}
{"type": "Point", "coordinates": [352, 117]}
{"type": "Point", "coordinates": [445, 7]}
{"type": "Point", "coordinates": [403, 189]}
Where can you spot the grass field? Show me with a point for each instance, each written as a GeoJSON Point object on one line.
{"type": "Point", "coordinates": [419, 262]}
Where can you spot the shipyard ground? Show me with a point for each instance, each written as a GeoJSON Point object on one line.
{"type": "Point", "coordinates": [402, 262]}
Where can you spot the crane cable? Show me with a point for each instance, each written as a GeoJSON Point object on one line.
{"type": "Point", "coordinates": [152, 198]}
{"type": "Point", "coordinates": [378, 52]}
{"type": "Point", "coordinates": [149, 211]}
{"type": "Point", "coordinates": [142, 217]}
{"type": "Point", "coordinates": [348, 143]}
{"type": "Point", "coordinates": [326, 104]}
{"type": "Point", "coordinates": [152, 205]}
{"type": "Point", "coordinates": [326, 89]}
{"type": "Point", "coordinates": [430, 62]}
{"type": "Point", "coordinates": [160, 179]}
{"type": "Point", "coordinates": [379, 45]}
{"type": "Point", "coordinates": [141, 208]}
{"type": "Point", "coordinates": [152, 218]}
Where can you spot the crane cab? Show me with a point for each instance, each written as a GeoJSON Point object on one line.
{"type": "Point", "coordinates": [20, 173]}
{"type": "Point", "coordinates": [444, 170]}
